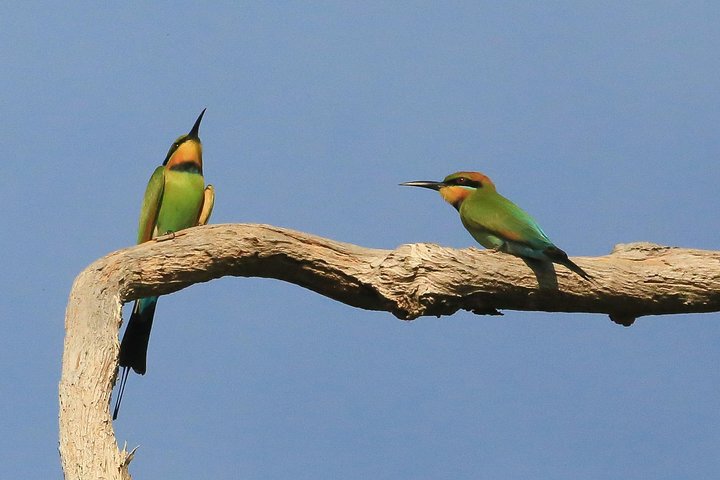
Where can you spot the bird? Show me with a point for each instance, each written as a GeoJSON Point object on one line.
{"type": "Point", "coordinates": [496, 222]}
{"type": "Point", "coordinates": [175, 198]}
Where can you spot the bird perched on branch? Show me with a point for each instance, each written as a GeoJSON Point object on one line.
{"type": "Point", "coordinates": [175, 198]}
{"type": "Point", "coordinates": [496, 222]}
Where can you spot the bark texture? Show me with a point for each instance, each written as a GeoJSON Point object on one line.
{"type": "Point", "coordinates": [412, 280]}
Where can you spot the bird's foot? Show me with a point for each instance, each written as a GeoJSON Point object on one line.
{"type": "Point", "coordinates": [502, 248]}
{"type": "Point", "coordinates": [165, 237]}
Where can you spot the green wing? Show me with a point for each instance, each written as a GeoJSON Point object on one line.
{"type": "Point", "coordinates": [499, 217]}
{"type": "Point", "coordinates": [151, 205]}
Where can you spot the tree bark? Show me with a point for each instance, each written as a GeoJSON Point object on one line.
{"type": "Point", "coordinates": [410, 281]}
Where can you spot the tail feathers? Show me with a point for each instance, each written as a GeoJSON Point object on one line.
{"type": "Point", "coordinates": [134, 345]}
{"type": "Point", "coordinates": [121, 390]}
{"type": "Point", "coordinates": [558, 256]}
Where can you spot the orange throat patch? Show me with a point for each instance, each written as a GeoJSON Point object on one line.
{"type": "Point", "coordinates": [189, 152]}
{"type": "Point", "coordinates": [455, 195]}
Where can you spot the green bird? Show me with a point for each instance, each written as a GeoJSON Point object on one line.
{"type": "Point", "coordinates": [496, 222]}
{"type": "Point", "coordinates": [175, 198]}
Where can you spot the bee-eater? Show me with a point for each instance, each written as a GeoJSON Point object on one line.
{"type": "Point", "coordinates": [496, 222]}
{"type": "Point", "coordinates": [175, 198]}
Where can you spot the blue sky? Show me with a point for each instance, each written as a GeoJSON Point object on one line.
{"type": "Point", "coordinates": [600, 118]}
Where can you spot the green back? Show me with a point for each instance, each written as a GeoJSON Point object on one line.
{"type": "Point", "coordinates": [492, 219]}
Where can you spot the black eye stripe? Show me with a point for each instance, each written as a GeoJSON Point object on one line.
{"type": "Point", "coordinates": [464, 182]}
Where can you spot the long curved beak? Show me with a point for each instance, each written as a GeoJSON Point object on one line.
{"type": "Point", "coordinates": [424, 184]}
{"type": "Point", "coordinates": [194, 133]}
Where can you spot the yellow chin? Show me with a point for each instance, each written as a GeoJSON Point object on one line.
{"type": "Point", "coordinates": [189, 151]}
{"type": "Point", "coordinates": [454, 195]}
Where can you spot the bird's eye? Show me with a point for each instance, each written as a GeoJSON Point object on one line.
{"type": "Point", "coordinates": [461, 181]}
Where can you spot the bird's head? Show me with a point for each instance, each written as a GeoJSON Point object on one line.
{"type": "Point", "coordinates": [185, 153]}
{"type": "Point", "coordinates": [455, 188]}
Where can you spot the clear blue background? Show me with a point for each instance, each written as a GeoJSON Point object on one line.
{"type": "Point", "coordinates": [600, 118]}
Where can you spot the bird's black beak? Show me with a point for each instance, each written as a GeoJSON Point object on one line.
{"type": "Point", "coordinates": [194, 133]}
{"type": "Point", "coordinates": [424, 184]}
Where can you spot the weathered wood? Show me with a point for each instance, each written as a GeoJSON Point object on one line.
{"type": "Point", "coordinates": [410, 281]}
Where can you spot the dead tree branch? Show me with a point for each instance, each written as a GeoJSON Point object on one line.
{"type": "Point", "coordinates": [410, 281]}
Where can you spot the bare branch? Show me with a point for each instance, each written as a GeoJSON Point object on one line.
{"type": "Point", "coordinates": [410, 281]}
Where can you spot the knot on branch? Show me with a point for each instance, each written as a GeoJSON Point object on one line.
{"type": "Point", "coordinates": [639, 250]}
{"type": "Point", "coordinates": [429, 280]}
